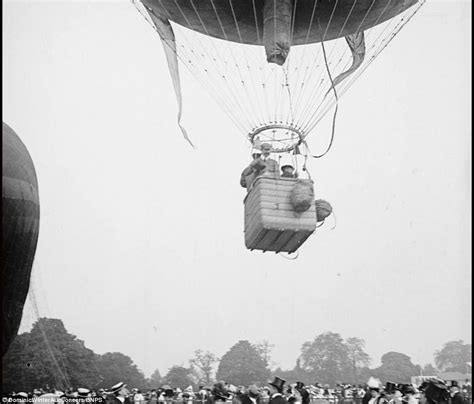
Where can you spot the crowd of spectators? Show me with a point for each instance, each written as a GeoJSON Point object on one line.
{"type": "Point", "coordinates": [292, 393]}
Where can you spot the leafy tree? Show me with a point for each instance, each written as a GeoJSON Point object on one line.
{"type": "Point", "coordinates": [179, 376]}
{"type": "Point", "coordinates": [17, 374]}
{"type": "Point", "coordinates": [326, 359]}
{"type": "Point", "coordinates": [116, 367]}
{"type": "Point", "coordinates": [155, 380]}
{"type": "Point", "coordinates": [49, 356]}
{"type": "Point", "coordinates": [242, 365]}
{"type": "Point", "coordinates": [396, 367]}
{"type": "Point", "coordinates": [264, 348]}
{"type": "Point", "coordinates": [453, 357]}
{"type": "Point", "coordinates": [429, 370]}
{"type": "Point", "coordinates": [357, 356]}
{"type": "Point", "coordinates": [364, 374]}
{"type": "Point", "coordinates": [203, 363]}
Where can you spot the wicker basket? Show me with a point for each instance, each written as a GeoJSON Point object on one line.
{"type": "Point", "coordinates": [271, 223]}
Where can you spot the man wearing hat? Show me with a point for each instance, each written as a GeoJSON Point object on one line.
{"type": "Point", "coordinates": [305, 397]}
{"type": "Point", "coordinates": [250, 396]}
{"type": "Point", "coordinates": [374, 391]}
{"type": "Point", "coordinates": [262, 164]}
{"type": "Point", "coordinates": [456, 396]}
{"type": "Point", "coordinates": [271, 166]}
{"type": "Point", "coordinates": [82, 395]}
{"type": "Point", "coordinates": [120, 393]}
{"type": "Point", "coordinates": [288, 171]}
{"type": "Point", "coordinates": [276, 390]}
{"type": "Point", "coordinates": [21, 397]}
{"type": "Point", "coordinates": [137, 396]}
{"type": "Point", "coordinates": [219, 392]}
{"type": "Point", "coordinates": [409, 392]}
{"type": "Point", "coordinates": [248, 175]}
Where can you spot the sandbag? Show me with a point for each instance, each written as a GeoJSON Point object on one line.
{"type": "Point", "coordinates": [323, 209]}
{"type": "Point", "coordinates": [302, 195]}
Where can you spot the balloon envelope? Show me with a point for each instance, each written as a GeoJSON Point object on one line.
{"type": "Point", "coordinates": [242, 20]}
{"type": "Point", "coordinates": [20, 226]}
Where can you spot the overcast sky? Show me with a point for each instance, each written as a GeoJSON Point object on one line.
{"type": "Point", "coordinates": [141, 246]}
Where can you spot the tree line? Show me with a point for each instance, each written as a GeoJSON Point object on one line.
{"type": "Point", "coordinates": [50, 357]}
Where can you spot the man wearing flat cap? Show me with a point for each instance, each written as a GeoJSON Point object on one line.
{"type": "Point", "coordinates": [276, 391]}
{"type": "Point", "coordinates": [262, 164]}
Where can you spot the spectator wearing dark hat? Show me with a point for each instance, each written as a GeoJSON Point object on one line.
{"type": "Point", "coordinates": [288, 171]}
{"type": "Point", "coordinates": [396, 396]}
{"type": "Point", "coordinates": [293, 396]}
{"type": "Point", "coordinates": [251, 396]}
{"type": "Point", "coordinates": [305, 397]}
{"type": "Point", "coordinates": [367, 396]}
{"type": "Point", "coordinates": [276, 391]}
{"type": "Point", "coordinates": [202, 394]}
{"type": "Point", "coordinates": [456, 396]}
{"type": "Point", "coordinates": [219, 393]}
{"type": "Point", "coordinates": [409, 392]}
{"type": "Point", "coordinates": [375, 395]}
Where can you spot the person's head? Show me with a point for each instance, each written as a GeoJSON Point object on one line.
{"type": "Point", "coordinates": [120, 389]}
{"type": "Point", "coordinates": [288, 169]}
{"type": "Point", "coordinates": [277, 385]}
{"type": "Point", "coordinates": [253, 391]}
{"type": "Point", "coordinates": [272, 390]}
{"type": "Point", "coordinates": [265, 148]}
{"type": "Point", "coordinates": [374, 392]}
{"type": "Point", "coordinates": [123, 392]}
{"type": "Point", "coordinates": [409, 390]}
{"type": "Point", "coordinates": [220, 392]}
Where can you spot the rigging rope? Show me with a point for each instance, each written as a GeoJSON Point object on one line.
{"type": "Point", "coordinates": [335, 110]}
{"type": "Point", "coordinates": [254, 93]}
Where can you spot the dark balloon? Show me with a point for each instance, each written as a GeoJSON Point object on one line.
{"type": "Point", "coordinates": [20, 227]}
{"type": "Point", "coordinates": [240, 21]}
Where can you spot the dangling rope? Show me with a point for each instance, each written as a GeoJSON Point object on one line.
{"type": "Point", "coordinates": [335, 109]}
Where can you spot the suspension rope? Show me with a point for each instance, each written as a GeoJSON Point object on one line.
{"type": "Point", "coordinates": [208, 84]}
{"type": "Point", "coordinates": [316, 117]}
{"type": "Point", "coordinates": [254, 93]}
{"type": "Point", "coordinates": [380, 47]}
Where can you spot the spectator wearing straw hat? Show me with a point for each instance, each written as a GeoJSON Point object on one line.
{"type": "Point", "coordinates": [119, 394]}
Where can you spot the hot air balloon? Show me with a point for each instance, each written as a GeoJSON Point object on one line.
{"type": "Point", "coordinates": [20, 227]}
{"type": "Point", "coordinates": [276, 67]}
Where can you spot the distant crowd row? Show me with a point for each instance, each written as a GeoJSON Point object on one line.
{"type": "Point", "coordinates": [276, 392]}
